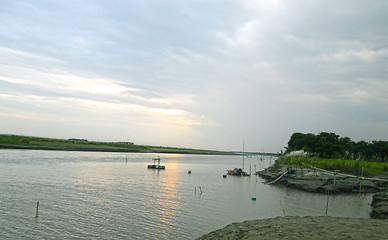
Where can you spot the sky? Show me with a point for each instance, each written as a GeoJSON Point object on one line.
{"type": "Point", "coordinates": [200, 74]}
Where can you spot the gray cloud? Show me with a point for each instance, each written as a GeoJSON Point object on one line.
{"type": "Point", "coordinates": [198, 74]}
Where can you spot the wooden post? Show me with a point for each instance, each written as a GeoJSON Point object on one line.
{"type": "Point", "coordinates": [37, 208]}
{"type": "Point", "coordinates": [335, 175]}
{"type": "Point", "coordinates": [300, 166]}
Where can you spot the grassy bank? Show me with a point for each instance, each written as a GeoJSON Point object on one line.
{"type": "Point", "coordinates": [354, 167]}
{"type": "Point", "coordinates": [39, 143]}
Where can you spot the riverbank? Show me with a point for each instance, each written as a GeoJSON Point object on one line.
{"type": "Point", "coordinates": [380, 206]}
{"type": "Point", "coordinates": [303, 228]}
{"type": "Point", "coordinates": [320, 181]}
{"type": "Point", "coordinates": [327, 182]}
{"type": "Point", "coordinates": [293, 227]}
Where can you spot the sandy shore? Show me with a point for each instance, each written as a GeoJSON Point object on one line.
{"type": "Point", "coordinates": [304, 228]}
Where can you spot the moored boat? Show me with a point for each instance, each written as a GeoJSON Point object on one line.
{"type": "Point", "coordinates": [237, 172]}
{"type": "Point", "coordinates": [156, 166]}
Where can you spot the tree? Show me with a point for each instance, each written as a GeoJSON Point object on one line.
{"type": "Point", "coordinates": [331, 145]}
{"type": "Point", "coordinates": [380, 149]}
{"type": "Point", "coordinates": [348, 146]}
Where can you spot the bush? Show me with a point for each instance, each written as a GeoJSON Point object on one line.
{"type": "Point", "coordinates": [338, 166]}
{"type": "Point", "coordinates": [356, 168]}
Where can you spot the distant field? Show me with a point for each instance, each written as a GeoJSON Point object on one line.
{"type": "Point", "coordinates": [26, 142]}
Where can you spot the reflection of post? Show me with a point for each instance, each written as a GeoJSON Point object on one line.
{"type": "Point", "coordinates": [284, 213]}
{"type": "Point", "coordinates": [361, 178]}
{"type": "Point", "coordinates": [328, 195]}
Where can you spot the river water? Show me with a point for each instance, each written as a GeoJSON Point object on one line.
{"type": "Point", "coordinates": [92, 195]}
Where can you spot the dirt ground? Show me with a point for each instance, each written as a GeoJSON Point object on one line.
{"type": "Point", "coordinates": [304, 228]}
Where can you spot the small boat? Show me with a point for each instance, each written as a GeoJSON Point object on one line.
{"type": "Point", "coordinates": [237, 172]}
{"type": "Point", "coordinates": [156, 166]}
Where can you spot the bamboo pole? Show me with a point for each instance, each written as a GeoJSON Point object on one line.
{"type": "Point", "coordinates": [278, 177]}
{"type": "Point", "coordinates": [243, 154]}
{"type": "Point", "coordinates": [335, 172]}
{"type": "Point", "coordinates": [346, 175]}
{"type": "Point", "coordinates": [37, 208]}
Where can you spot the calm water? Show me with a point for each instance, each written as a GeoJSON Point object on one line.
{"type": "Point", "coordinates": [85, 195]}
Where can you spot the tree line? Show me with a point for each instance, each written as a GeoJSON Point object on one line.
{"type": "Point", "coordinates": [331, 145]}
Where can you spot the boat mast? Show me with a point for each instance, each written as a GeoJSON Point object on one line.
{"type": "Point", "coordinates": [243, 155]}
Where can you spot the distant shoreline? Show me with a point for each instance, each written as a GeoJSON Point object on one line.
{"type": "Point", "coordinates": [51, 144]}
{"type": "Point", "coordinates": [9, 141]}
{"type": "Point", "coordinates": [112, 149]}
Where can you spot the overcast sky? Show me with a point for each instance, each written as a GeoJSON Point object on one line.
{"type": "Point", "coordinates": [202, 74]}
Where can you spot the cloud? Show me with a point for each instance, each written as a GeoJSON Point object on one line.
{"type": "Point", "coordinates": [27, 55]}
{"type": "Point", "coordinates": [61, 80]}
{"type": "Point", "coordinates": [366, 91]}
{"type": "Point", "coordinates": [203, 74]}
{"type": "Point", "coordinates": [244, 37]}
{"type": "Point", "coordinates": [308, 98]}
{"type": "Point", "coordinates": [360, 54]}
{"type": "Point", "coordinates": [50, 106]}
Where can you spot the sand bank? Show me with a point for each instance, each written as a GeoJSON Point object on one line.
{"type": "Point", "coordinates": [304, 228]}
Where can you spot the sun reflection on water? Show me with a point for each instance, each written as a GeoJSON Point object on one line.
{"type": "Point", "coordinates": [166, 198]}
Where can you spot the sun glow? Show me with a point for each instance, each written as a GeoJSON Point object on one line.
{"type": "Point", "coordinates": [125, 107]}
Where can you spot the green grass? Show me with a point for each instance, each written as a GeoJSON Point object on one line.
{"type": "Point", "coordinates": [354, 167]}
